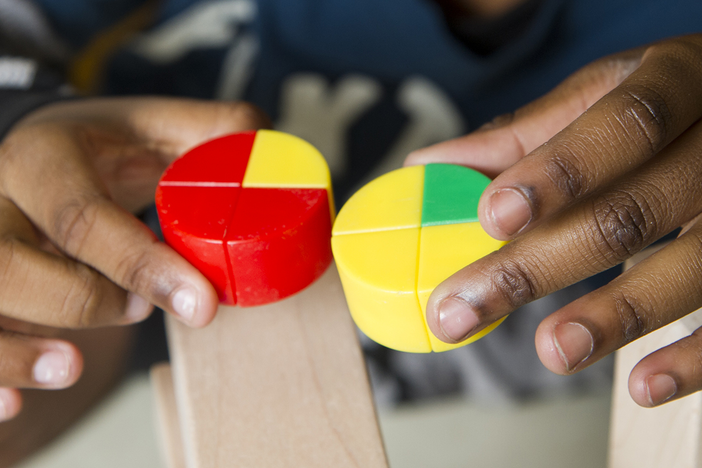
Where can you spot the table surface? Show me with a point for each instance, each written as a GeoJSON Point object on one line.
{"type": "Point", "coordinates": [452, 433]}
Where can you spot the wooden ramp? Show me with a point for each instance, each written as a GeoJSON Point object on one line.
{"type": "Point", "coordinates": [281, 385]}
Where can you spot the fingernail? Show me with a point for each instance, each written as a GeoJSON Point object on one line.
{"type": "Point", "coordinates": [51, 368]}
{"type": "Point", "coordinates": [510, 211]}
{"type": "Point", "coordinates": [137, 309]}
{"type": "Point", "coordinates": [661, 388]}
{"type": "Point", "coordinates": [184, 303]}
{"type": "Point", "coordinates": [456, 319]}
{"type": "Point", "coordinates": [574, 343]}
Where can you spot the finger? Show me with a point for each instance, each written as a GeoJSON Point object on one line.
{"type": "Point", "coordinates": [10, 403]}
{"type": "Point", "coordinates": [669, 373]}
{"type": "Point", "coordinates": [47, 289]}
{"type": "Point", "coordinates": [71, 208]}
{"type": "Point", "coordinates": [631, 124]}
{"type": "Point", "coordinates": [33, 362]}
{"type": "Point", "coordinates": [594, 235]}
{"type": "Point", "coordinates": [507, 139]}
{"type": "Point", "coordinates": [655, 292]}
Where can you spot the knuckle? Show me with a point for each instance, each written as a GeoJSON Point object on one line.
{"type": "Point", "coordinates": [632, 316]}
{"type": "Point", "coordinates": [565, 173]}
{"type": "Point", "coordinates": [81, 303]}
{"type": "Point", "coordinates": [134, 272]}
{"type": "Point", "coordinates": [625, 223]}
{"type": "Point", "coordinates": [73, 223]}
{"type": "Point", "coordinates": [513, 282]}
{"type": "Point", "coordinates": [650, 113]}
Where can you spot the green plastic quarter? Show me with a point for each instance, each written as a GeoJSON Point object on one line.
{"type": "Point", "coordinates": [451, 194]}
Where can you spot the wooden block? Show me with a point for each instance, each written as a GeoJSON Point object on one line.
{"type": "Point", "coordinates": [279, 385]}
{"type": "Point", "coordinates": [167, 416]}
{"type": "Point", "coordinates": [663, 437]}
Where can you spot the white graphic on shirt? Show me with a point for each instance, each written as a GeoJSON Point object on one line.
{"type": "Point", "coordinates": [322, 114]}
{"type": "Point", "coordinates": [17, 73]}
{"type": "Point", "coordinates": [215, 23]}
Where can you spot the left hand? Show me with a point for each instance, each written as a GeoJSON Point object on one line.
{"type": "Point", "coordinates": [72, 255]}
{"type": "Point", "coordinates": [590, 174]}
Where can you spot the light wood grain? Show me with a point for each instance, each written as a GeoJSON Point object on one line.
{"type": "Point", "coordinates": [664, 437]}
{"type": "Point", "coordinates": [281, 385]}
{"type": "Point", "coordinates": [167, 416]}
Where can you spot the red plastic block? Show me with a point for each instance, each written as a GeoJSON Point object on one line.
{"type": "Point", "coordinates": [194, 221]}
{"type": "Point", "coordinates": [219, 161]}
{"type": "Point", "coordinates": [278, 242]}
{"type": "Point", "coordinates": [255, 245]}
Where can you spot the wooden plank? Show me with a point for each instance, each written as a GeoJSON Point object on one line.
{"type": "Point", "coordinates": [167, 416]}
{"type": "Point", "coordinates": [662, 437]}
{"type": "Point", "coordinates": [281, 385]}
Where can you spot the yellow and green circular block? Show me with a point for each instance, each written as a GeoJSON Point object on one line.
{"type": "Point", "coordinates": [400, 236]}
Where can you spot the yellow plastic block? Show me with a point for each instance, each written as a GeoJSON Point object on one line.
{"type": "Point", "coordinates": [379, 273]}
{"type": "Point", "coordinates": [392, 201]}
{"type": "Point", "coordinates": [443, 251]}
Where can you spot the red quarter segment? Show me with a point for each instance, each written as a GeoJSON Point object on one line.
{"type": "Point", "coordinates": [278, 242]}
{"type": "Point", "coordinates": [193, 222]}
{"type": "Point", "coordinates": [219, 161]}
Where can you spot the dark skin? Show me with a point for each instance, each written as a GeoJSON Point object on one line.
{"type": "Point", "coordinates": [586, 177]}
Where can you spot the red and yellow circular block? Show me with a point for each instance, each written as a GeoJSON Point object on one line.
{"type": "Point", "coordinates": [253, 212]}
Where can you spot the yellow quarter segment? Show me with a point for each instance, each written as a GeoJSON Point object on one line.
{"type": "Point", "coordinates": [281, 160]}
{"type": "Point", "coordinates": [444, 250]}
{"type": "Point", "coordinates": [392, 201]}
{"type": "Point", "coordinates": [379, 273]}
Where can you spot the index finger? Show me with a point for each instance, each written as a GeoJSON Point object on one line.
{"type": "Point", "coordinates": [628, 126]}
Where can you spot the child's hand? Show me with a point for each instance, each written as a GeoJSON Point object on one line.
{"type": "Point", "coordinates": [595, 188]}
{"type": "Point", "coordinates": [71, 254]}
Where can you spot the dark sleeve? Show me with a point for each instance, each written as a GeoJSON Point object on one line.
{"type": "Point", "coordinates": [32, 60]}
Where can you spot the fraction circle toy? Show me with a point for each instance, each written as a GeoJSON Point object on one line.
{"type": "Point", "coordinates": [400, 236]}
{"type": "Point", "coordinates": [253, 212]}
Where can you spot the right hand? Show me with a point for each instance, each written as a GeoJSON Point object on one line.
{"type": "Point", "coordinates": [71, 253]}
